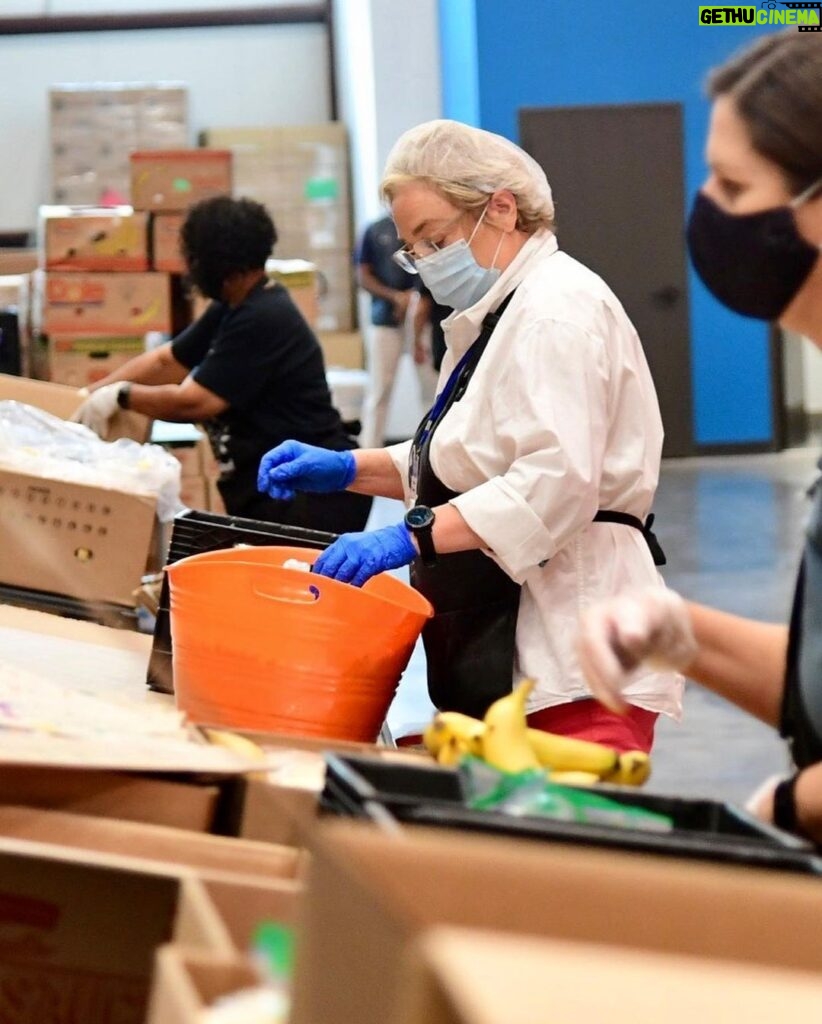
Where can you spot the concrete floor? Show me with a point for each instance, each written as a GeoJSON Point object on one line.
{"type": "Point", "coordinates": [732, 530]}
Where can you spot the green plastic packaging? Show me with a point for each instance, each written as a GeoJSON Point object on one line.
{"type": "Point", "coordinates": [531, 793]}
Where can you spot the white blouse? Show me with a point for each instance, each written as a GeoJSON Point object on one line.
{"type": "Point", "coordinates": [560, 419]}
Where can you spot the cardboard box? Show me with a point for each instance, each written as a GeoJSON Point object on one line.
{"type": "Point", "coordinates": [87, 543]}
{"type": "Point", "coordinates": [80, 360]}
{"type": "Point", "coordinates": [176, 179]}
{"type": "Point", "coordinates": [186, 982]}
{"type": "Point", "coordinates": [73, 238]}
{"type": "Point", "coordinates": [194, 492]}
{"type": "Point", "coordinates": [300, 278]}
{"type": "Point", "coordinates": [105, 303]}
{"type": "Point", "coordinates": [81, 927]}
{"type": "Point", "coordinates": [462, 976]}
{"type": "Point", "coordinates": [210, 856]}
{"type": "Point", "coordinates": [342, 348]}
{"type": "Point", "coordinates": [93, 128]}
{"type": "Point", "coordinates": [63, 401]}
{"type": "Point", "coordinates": [18, 261]}
{"type": "Point", "coordinates": [78, 937]}
{"type": "Point", "coordinates": [165, 242]}
{"type": "Point", "coordinates": [381, 892]}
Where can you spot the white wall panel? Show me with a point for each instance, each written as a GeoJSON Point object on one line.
{"type": "Point", "coordinates": [240, 75]}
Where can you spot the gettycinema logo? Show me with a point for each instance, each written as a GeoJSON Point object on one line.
{"type": "Point", "coordinates": [807, 16]}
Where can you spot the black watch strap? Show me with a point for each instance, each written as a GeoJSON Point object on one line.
{"type": "Point", "coordinates": [420, 522]}
{"type": "Point", "coordinates": [784, 805]}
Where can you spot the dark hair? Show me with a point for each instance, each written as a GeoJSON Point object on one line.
{"type": "Point", "coordinates": [224, 236]}
{"type": "Point", "coordinates": [776, 85]}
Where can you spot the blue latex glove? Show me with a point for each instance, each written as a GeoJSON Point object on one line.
{"type": "Point", "coordinates": [293, 466]}
{"type": "Point", "coordinates": [356, 557]}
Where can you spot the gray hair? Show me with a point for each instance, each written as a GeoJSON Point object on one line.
{"type": "Point", "coordinates": [466, 165]}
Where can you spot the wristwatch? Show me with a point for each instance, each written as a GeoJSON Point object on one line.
{"type": "Point", "coordinates": [420, 522]}
{"type": "Point", "coordinates": [124, 395]}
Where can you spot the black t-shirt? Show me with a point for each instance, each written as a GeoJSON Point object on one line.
{"type": "Point", "coordinates": [265, 361]}
{"type": "Point", "coordinates": [378, 245]}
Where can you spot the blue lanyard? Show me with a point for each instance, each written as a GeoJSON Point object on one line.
{"type": "Point", "coordinates": [441, 400]}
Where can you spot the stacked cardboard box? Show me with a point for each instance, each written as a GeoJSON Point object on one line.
{"type": "Point", "coordinates": [300, 173]}
{"type": "Point", "coordinates": [95, 297]}
{"type": "Point", "coordinates": [94, 127]}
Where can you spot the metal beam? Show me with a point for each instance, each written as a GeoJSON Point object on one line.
{"type": "Point", "coordinates": [290, 14]}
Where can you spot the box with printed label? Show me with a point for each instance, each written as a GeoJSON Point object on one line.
{"type": "Point", "coordinates": [80, 360]}
{"type": "Point", "coordinates": [175, 179]}
{"type": "Point", "coordinates": [99, 303]}
{"type": "Point", "coordinates": [73, 238]}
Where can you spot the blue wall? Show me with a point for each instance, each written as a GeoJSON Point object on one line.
{"type": "Point", "coordinates": [568, 52]}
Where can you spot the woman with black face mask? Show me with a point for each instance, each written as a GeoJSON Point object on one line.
{"type": "Point", "coordinates": [249, 369]}
{"type": "Point", "coordinates": [754, 236]}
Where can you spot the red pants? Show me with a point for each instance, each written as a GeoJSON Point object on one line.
{"type": "Point", "coordinates": [589, 720]}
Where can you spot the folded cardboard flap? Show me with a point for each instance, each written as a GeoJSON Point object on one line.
{"type": "Point", "coordinates": [127, 797]}
{"type": "Point", "coordinates": [466, 976]}
{"type": "Point", "coordinates": [188, 981]}
{"type": "Point", "coordinates": [220, 914]}
{"type": "Point", "coordinates": [381, 891]}
{"type": "Point", "coordinates": [206, 854]}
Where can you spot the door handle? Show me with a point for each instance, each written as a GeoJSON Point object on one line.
{"type": "Point", "coordinates": [667, 295]}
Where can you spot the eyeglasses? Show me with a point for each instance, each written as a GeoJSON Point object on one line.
{"type": "Point", "coordinates": [407, 256]}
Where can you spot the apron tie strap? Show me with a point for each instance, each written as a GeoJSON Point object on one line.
{"type": "Point", "coordinates": [626, 519]}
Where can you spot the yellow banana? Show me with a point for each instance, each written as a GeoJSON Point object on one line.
{"type": "Point", "coordinates": [574, 778]}
{"type": "Point", "coordinates": [452, 728]}
{"type": "Point", "coordinates": [567, 754]}
{"type": "Point", "coordinates": [633, 769]}
{"type": "Point", "coordinates": [240, 745]}
{"type": "Point", "coordinates": [505, 740]}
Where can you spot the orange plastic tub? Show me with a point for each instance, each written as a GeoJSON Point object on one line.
{"type": "Point", "coordinates": [260, 646]}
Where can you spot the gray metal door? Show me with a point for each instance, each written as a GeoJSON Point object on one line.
{"type": "Point", "coordinates": [617, 177]}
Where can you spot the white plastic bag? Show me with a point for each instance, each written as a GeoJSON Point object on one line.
{"type": "Point", "coordinates": [33, 441]}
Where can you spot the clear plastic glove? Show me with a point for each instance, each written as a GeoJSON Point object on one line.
{"type": "Point", "coordinates": [618, 635]}
{"type": "Point", "coordinates": [293, 466]}
{"type": "Point", "coordinates": [356, 557]}
{"type": "Point", "coordinates": [98, 408]}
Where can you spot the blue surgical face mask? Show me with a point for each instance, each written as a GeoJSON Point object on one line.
{"type": "Point", "coordinates": [454, 277]}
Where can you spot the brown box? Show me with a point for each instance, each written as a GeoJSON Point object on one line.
{"type": "Point", "coordinates": [80, 360]}
{"type": "Point", "coordinates": [465, 976]}
{"type": "Point", "coordinates": [74, 238]}
{"type": "Point", "coordinates": [212, 857]}
{"type": "Point", "coordinates": [370, 895]}
{"type": "Point", "coordinates": [194, 492]}
{"type": "Point", "coordinates": [88, 543]}
{"type": "Point", "coordinates": [190, 457]}
{"type": "Point", "coordinates": [342, 348]}
{"type": "Point", "coordinates": [63, 401]}
{"type": "Point", "coordinates": [79, 937]}
{"type": "Point", "coordinates": [17, 261]}
{"type": "Point", "coordinates": [300, 278]}
{"type": "Point", "coordinates": [175, 179]}
{"type": "Point", "coordinates": [165, 242]}
{"type": "Point", "coordinates": [188, 981]}
{"type": "Point", "coordinates": [105, 303]}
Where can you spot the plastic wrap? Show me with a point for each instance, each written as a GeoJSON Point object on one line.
{"type": "Point", "coordinates": [35, 442]}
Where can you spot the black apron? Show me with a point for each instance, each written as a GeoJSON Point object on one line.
{"type": "Point", "coordinates": [801, 718]}
{"type": "Point", "coordinates": [470, 642]}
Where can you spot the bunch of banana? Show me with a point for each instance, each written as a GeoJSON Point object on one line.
{"type": "Point", "coordinates": [504, 740]}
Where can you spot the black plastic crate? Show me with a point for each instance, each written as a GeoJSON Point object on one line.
{"type": "Point", "coordinates": [195, 532]}
{"type": "Point", "coordinates": [433, 796]}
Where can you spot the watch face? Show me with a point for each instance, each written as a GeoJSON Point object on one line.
{"type": "Point", "coordinates": [419, 517]}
